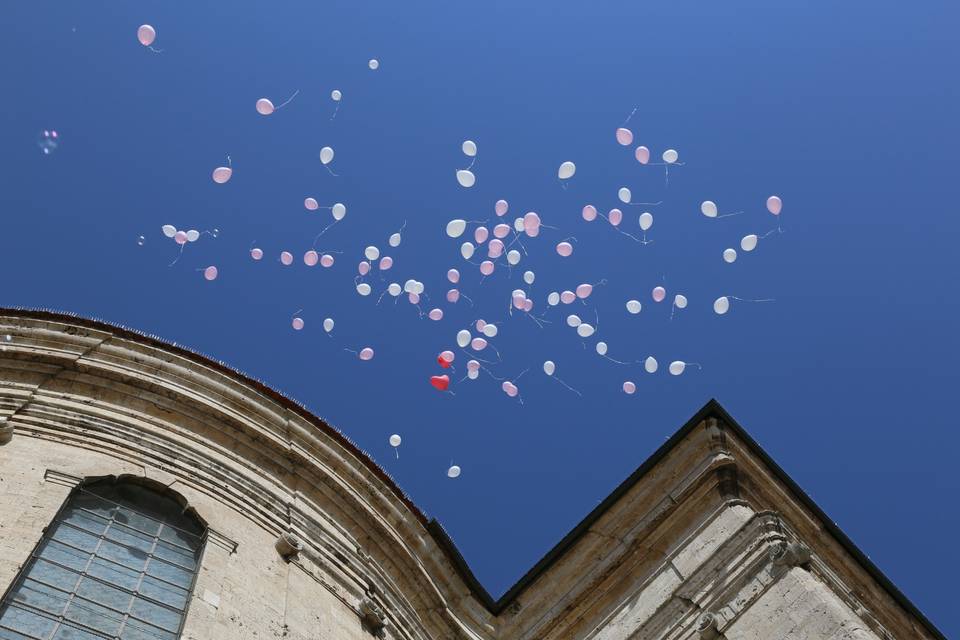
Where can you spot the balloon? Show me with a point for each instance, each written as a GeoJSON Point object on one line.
{"type": "Point", "coordinates": [566, 170]}
{"type": "Point", "coordinates": [708, 208]}
{"type": "Point", "coordinates": [385, 263]}
{"type": "Point", "coordinates": [478, 344]}
{"type": "Point", "coordinates": [394, 240]}
{"type": "Point", "coordinates": [585, 330]}
{"type": "Point", "coordinates": [529, 277]}
{"type": "Point", "coordinates": [518, 224]}
{"type": "Point", "coordinates": [440, 382]}
{"type": "Point", "coordinates": [453, 276]}
{"type": "Point", "coordinates": [394, 289]}
{"type": "Point", "coordinates": [169, 230]}
{"type": "Point", "coordinates": [310, 258]}
{"type": "Point", "coordinates": [453, 295]}
{"type": "Point", "coordinates": [589, 213]}
{"type": "Point", "coordinates": [602, 348]}
{"type": "Point", "coordinates": [374, 64]}
{"type": "Point", "coordinates": [677, 367]}
{"type": "Point", "coordinates": [222, 174]}
{"type": "Point", "coordinates": [629, 388]}
{"type": "Point", "coordinates": [435, 314]}
{"type": "Point", "coordinates": [642, 154]}
{"type": "Point", "coordinates": [466, 250]}
{"type": "Point", "coordinates": [256, 253]}
{"type": "Point", "coordinates": [326, 155]}
{"type": "Point", "coordinates": [549, 367]}
{"type": "Point", "coordinates": [501, 231]}
{"type": "Point", "coordinates": [729, 255]}
{"type": "Point", "coordinates": [473, 365]}
{"type": "Point", "coordinates": [363, 289]}
{"type": "Point", "coordinates": [366, 353]}
{"type": "Point", "coordinates": [584, 291]}
{"type": "Point", "coordinates": [395, 440]}
{"type": "Point", "coordinates": [180, 237]}
{"type": "Point", "coordinates": [518, 298]}
{"type": "Point", "coordinates": [455, 228]}
{"type": "Point", "coordinates": [473, 374]}
{"type": "Point", "coordinates": [146, 35]}
{"type": "Point", "coordinates": [489, 330]}
{"type": "Point", "coordinates": [328, 324]}
{"type": "Point", "coordinates": [567, 297]}
{"type": "Point", "coordinates": [624, 195]}
{"type": "Point", "coordinates": [553, 299]}
{"type": "Point", "coordinates": [418, 287]}
{"type": "Point", "coordinates": [363, 268]}
{"type": "Point", "coordinates": [634, 306]}
{"type": "Point", "coordinates": [447, 356]}
{"type": "Point", "coordinates": [646, 221]}
{"type": "Point", "coordinates": [615, 217]}
{"type": "Point", "coordinates": [339, 210]}
{"type": "Point", "coordinates": [650, 364]}
{"type": "Point", "coordinates": [469, 148]}
{"type": "Point", "coordinates": [749, 243]}
{"type": "Point", "coordinates": [721, 305]}
{"type": "Point", "coordinates": [774, 205]}
{"type": "Point", "coordinates": [463, 338]}
{"type": "Point", "coordinates": [565, 249]}
{"type": "Point", "coordinates": [335, 95]}
{"type": "Point", "coordinates": [624, 136]}
{"type": "Point", "coordinates": [297, 324]}
{"type": "Point", "coordinates": [480, 235]}
{"type": "Point", "coordinates": [531, 224]}
{"type": "Point", "coordinates": [311, 204]}
{"type": "Point", "coordinates": [528, 305]}
{"type": "Point", "coordinates": [466, 178]}
{"type": "Point", "coordinates": [326, 260]}
{"type": "Point", "coordinates": [670, 156]}
{"type": "Point", "coordinates": [193, 235]}
{"type": "Point", "coordinates": [513, 257]}
{"type": "Point", "coordinates": [680, 301]}
{"type": "Point", "coordinates": [286, 258]}
{"type": "Point", "coordinates": [453, 472]}
{"type": "Point", "coordinates": [509, 388]}
{"type": "Point", "coordinates": [501, 207]}
{"type": "Point", "coordinates": [264, 107]}
{"type": "Point", "coordinates": [410, 286]}
{"type": "Point", "coordinates": [371, 253]}
{"type": "Point", "coordinates": [486, 267]}
{"type": "Point", "coordinates": [210, 273]}
{"type": "Point", "coordinates": [659, 293]}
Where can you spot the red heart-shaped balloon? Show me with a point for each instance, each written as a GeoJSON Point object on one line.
{"type": "Point", "coordinates": [440, 382]}
{"type": "Point", "coordinates": [443, 363]}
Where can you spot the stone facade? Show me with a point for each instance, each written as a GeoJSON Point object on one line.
{"type": "Point", "coordinates": [308, 539]}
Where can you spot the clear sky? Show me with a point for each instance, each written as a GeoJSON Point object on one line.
{"type": "Point", "coordinates": [848, 111]}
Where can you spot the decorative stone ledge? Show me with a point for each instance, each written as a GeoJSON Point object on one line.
{"type": "Point", "coordinates": [288, 546]}
{"type": "Point", "coordinates": [6, 431]}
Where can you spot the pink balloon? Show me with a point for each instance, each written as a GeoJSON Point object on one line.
{"type": "Point", "coordinates": [363, 268]}
{"type": "Point", "coordinates": [501, 231]}
{"type": "Point", "coordinates": [528, 305]}
{"type": "Point", "coordinates": [447, 356]}
{"type": "Point", "coordinates": [453, 276]}
{"type": "Point", "coordinates": [366, 353]}
{"type": "Point", "coordinates": [326, 260]}
{"type": "Point", "coordinates": [629, 387]}
{"type": "Point", "coordinates": [385, 263]}
{"type": "Point", "coordinates": [146, 35]}
{"type": "Point", "coordinates": [414, 298]}
{"type": "Point", "coordinates": [264, 107]}
{"type": "Point", "coordinates": [518, 300]}
{"type": "Point", "coordinates": [435, 314]}
{"type": "Point", "coordinates": [531, 224]}
{"type": "Point", "coordinates": [774, 205]}
{"type": "Point", "coordinates": [478, 344]}
{"type": "Point", "coordinates": [453, 295]}
{"type": "Point", "coordinates": [310, 258]}
{"type": "Point", "coordinates": [615, 217]}
{"type": "Point", "coordinates": [210, 273]}
{"type": "Point", "coordinates": [297, 324]}
{"type": "Point", "coordinates": [659, 293]}
{"type": "Point", "coordinates": [472, 365]}
{"type": "Point", "coordinates": [509, 388]}
{"type": "Point", "coordinates": [486, 267]}
{"type": "Point", "coordinates": [311, 204]}
{"type": "Point", "coordinates": [286, 258]}
{"type": "Point", "coordinates": [589, 213]}
{"type": "Point", "coordinates": [180, 237]}
{"type": "Point", "coordinates": [480, 235]}
{"type": "Point", "coordinates": [480, 325]}
{"type": "Point", "coordinates": [567, 297]}
{"type": "Point", "coordinates": [495, 249]}
{"type": "Point", "coordinates": [256, 253]}
{"type": "Point", "coordinates": [222, 174]}
{"type": "Point", "coordinates": [624, 136]}
{"type": "Point", "coordinates": [501, 207]}
{"type": "Point", "coordinates": [565, 249]}
{"type": "Point", "coordinates": [642, 154]}
{"type": "Point", "coordinates": [584, 291]}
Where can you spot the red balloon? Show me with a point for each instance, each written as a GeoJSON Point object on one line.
{"type": "Point", "coordinates": [443, 363]}
{"type": "Point", "coordinates": [440, 382]}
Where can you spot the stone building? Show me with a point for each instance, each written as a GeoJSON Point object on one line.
{"type": "Point", "coordinates": [149, 492]}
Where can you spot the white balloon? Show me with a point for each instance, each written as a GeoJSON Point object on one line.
{"type": "Point", "coordinates": [193, 235]}
{"type": "Point", "coordinates": [371, 253]}
{"type": "Point", "coordinates": [328, 324]}
{"type": "Point", "coordinates": [529, 277]}
{"type": "Point", "coordinates": [326, 155]}
{"type": "Point", "coordinates": [466, 178]}
{"type": "Point", "coordinates": [518, 225]}
{"type": "Point", "coordinates": [721, 305]}
{"type": "Point", "coordinates": [650, 364]}
{"type": "Point", "coordinates": [339, 211]}
{"type": "Point", "coordinates": [566, 170]}
{"type": "Point", "coordinates": [410, 286]}
{"type": "Point", "coordinates": [169, 230]}
{"type": "Point", "coordinates": [395, 440]}
{"type": "Point", "coordinates": [553, 299]}
{"type": "Point", "coordinates": [394, 240]}
{"type": "Point", "coordinates": [602, 348]}
{"type": "Point", "coordinates": [469, 148]}
{"type": "Point", "coordinates": [513, 257]}
{"type": "Point", "coordinates": [374, 64]}
{"type": "Point", "coordinates": [624, 195]}
{"type": "Point", "coordinates": [455, 228]}
{"type": "Point", "coordinates": [336, 95]}
{"type": "Point", "coordinates": [473, 374]}
{"type": "Point", "coordinates": [729, 255]}
{"type": "Point", "coordinates": [573, 320]}
{"type": "Point", "coordinates": [646, 221]}
{"type": "Point", "coordinates": [634, 306]}
{"type": "Point", "coordinates": [708, 208]}
{"type": "Point", "coordinates": [490, 330]}
{"type": "Point", "coordinates": [466, 250]}
{"type": "Point", "coordinates": [585, 330]}
{"type": "Point", "coordinates": [677, 367]}
{"type": "Point", "coordinates": [453, 472]}
{"type": "Point", "coordinates": [749, 243]}
{"type": "Point", "coordinates": [670, 156]}
{"type": "Point", "coordinates": [463, 338]}
{"type": "Point", "coordinates": [680, 301]}
{"type": "Point", "coordinates": [418, 287]}
{"type": "Point", "coordinates": [394, 289]}
{"type": "Point", "coordinates": [549, 367]}
{"type": "Point", "coordinates": [363, 289]}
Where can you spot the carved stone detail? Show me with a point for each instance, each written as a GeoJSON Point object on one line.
{"type": "Point", "coordinates": [707, 627]}
{"type": "Point", "coordinates": [789, 554]}
{"type": "Point", "coordinates": [373, 617]}
{"type": "Point", "coordinates": [6, 431]}
{"type": "Point", "coordinates": [288, 546]}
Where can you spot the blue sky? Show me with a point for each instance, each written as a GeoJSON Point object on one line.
{"type": "Point", "coordinates": [846, 110]}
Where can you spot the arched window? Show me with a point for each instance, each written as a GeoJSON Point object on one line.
{"type": "Point", "coordinates": [118, 561]}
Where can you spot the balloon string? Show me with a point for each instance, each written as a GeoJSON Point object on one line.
{"type": "Point", "coordinates": [631, 115]}
{"type": "Point", "coordinates": [397, 451]}
{"type": "Point", "coordinates": [467, 298]}
{"type": "Point", "coordinates": [649, 204]}
{"type": "Point", "coordinates": [155, 50]}
{"type": "Point", "coordinates": [327, 167]}
{"type": "Point", "coordinates": [178, 255]}
{"type": "Point", "coordinates": [619, 361]}
{"type": "Point", "coordinates": [289, 99]}
{"type": "Point", "coordinates": [727, 215]}
{"type": "Point", "coordinates": [229, 162]}
{"type": "Point", "coordinates": [567, 386]}
{"type": "Point", "coordinates": [335, 110]}
{"type": "Point", "coordinates": [325, 229]}
{"type": "Point", "coordinates": [771, 232]}
{"type": "Point", "coordinates": [747, 300]}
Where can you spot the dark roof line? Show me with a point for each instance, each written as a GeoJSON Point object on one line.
{"type": "Point", "coordinates": [712, 409]}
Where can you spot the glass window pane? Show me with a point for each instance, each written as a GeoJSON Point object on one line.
{"type": "Point", "coordinates": [130, 538]}
{"type": "Point", "coordinates": [91, 614]}
{"type": "Point", "coordinates": [43, 571]}
{"type": "Point", "coordinates": [68, 632]}
{"type": "Point", "coordinates": [75, 537]}
{"type": "Point", "coordinates": [13, 617]}
{"type": "Point", "coordinates": [41, 596]}
{"type": "Point", "coordinates": [60, 553]}
{"type": "Point", "coordinates": [13, 635]}
{"type": "Point", "coordinates": [138, 630]}
{"type": "Point", "coordinates": [180, 538]}
{"type": "Point", "coordinates": [163, 617]}
{"type": "Point", "coordinates": [87, 521]}
{"type": "Point", "coordinates": [165, 593]}
{"type": "Point", "coordinates": [128, 557]}
{"type": "Point", "coordinates": [104, 594]}
{"type": "Point", "coordinates": [137, 521]}
{"type": "Point", "coordinates": [114, 573]}
{"type": "Point", "coordinates": [170, 573]}
{"type": "Point", "coordinates": [175, 555]}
